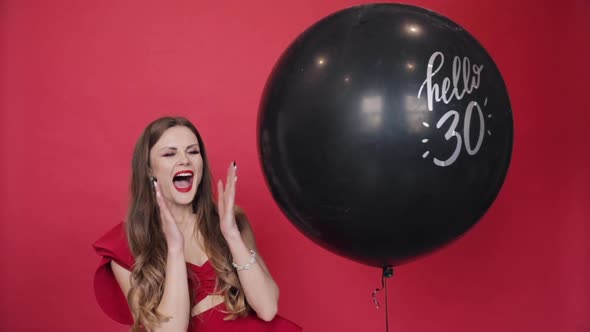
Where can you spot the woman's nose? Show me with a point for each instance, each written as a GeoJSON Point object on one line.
{"type": "Point", "coordinates": [184, 159]}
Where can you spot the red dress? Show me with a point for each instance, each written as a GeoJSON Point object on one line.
{"type": "Point", "coordinates": [113, 246]}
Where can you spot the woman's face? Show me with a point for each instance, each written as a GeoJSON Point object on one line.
{"type": "Point", "coordinates": [177, 164]}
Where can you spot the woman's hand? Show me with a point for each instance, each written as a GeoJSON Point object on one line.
{"type": "Point", "coordinates": [225, 203]}
{"type": "Point", "coordinates": [174, 237]}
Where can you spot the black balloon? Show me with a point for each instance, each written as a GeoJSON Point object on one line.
{"type": "Point", "coordinates": [384, 132]}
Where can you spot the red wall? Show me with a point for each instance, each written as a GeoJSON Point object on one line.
{"type": "Point", "coordinates": [80, 79]}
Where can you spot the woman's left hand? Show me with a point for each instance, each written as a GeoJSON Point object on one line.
{"type": "Point", "coordinates": [225, 203]}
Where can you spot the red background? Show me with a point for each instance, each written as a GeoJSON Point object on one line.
{"type": "Point", "coordinates": [80, 79]}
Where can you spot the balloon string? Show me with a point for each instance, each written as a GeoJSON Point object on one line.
{"type": "Point", "coordinates": [387, 273]}
{"type": "Point", "coordinates": [377, 290]}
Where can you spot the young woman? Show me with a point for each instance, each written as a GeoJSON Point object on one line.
{"type": "Point", "coordinates": [182, 261]}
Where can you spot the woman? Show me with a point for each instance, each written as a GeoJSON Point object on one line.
{"type": "Point", "coordinates": [181, 262]}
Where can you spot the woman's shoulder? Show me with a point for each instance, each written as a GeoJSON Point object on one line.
{"type": "Point", "coordinates": [242, 219]}
{"type": "Point", "coordinates": [240, 214]}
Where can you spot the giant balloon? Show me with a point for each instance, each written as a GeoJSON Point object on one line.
{"type": "Point", "coordinates": [384, 132]}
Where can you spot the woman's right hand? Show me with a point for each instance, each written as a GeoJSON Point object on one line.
{"type": "Point", "coordinates": [174, 237]}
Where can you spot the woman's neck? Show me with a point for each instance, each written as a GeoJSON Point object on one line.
{"type": "Point", "coordinates": [183, 216]}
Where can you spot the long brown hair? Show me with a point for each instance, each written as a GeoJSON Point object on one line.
{"type": "Point", "coordinates": [148, 244]}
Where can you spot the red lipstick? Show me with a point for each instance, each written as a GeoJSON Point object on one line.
{"type": "Point", "coordinates": [183, 181]}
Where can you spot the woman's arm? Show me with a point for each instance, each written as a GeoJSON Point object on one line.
{"type": "Point", "coordinates": [175, 302]}
{"type": "Point", "coordinates": [261, 292]}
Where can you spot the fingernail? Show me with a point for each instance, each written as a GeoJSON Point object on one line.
{"type": "Point", "coordinates": [235, 166]}
{"type": "Point", "coordinates": [236, 179]}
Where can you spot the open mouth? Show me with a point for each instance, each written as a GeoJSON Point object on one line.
{"type": "Point", "coordinates": [183, 181]}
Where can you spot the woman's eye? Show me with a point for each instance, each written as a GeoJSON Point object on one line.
{"type": "Point", "coordinates": [168, 154]}
{"type": "Point", "coordinates": [194, 152]}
